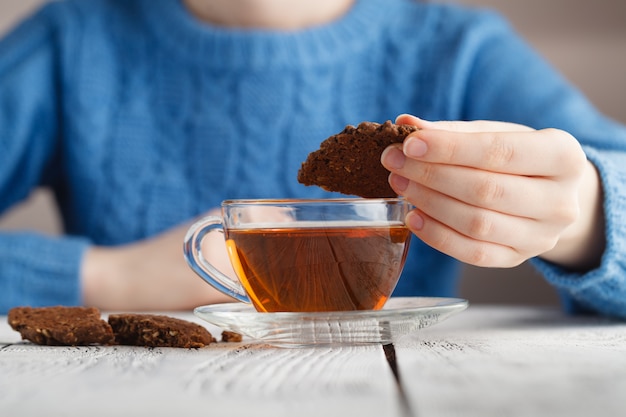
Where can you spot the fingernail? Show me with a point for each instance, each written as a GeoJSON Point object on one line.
{"type": "Point", "coordinates": [398, 182]}
{"type": "Point", "coordinates": [415, 147]}
{"type": "Point", "coordinates": [392, 158]}
{"type": "Point", "coordinates": [405, 115]}
{"type": "Point", "coordinates": [414, 221]}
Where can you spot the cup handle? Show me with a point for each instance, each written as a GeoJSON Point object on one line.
{"type": "Point", "coordinates": [202, 267]}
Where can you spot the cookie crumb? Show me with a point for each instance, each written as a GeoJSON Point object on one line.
{"type": "Point", "coordinates": [231, 337]}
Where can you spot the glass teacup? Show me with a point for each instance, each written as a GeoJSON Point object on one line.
{"type": "Point", "coordinates": [307, 255]}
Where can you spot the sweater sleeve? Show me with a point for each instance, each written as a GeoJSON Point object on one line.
{"type": "Point", "coordinates": [509, 81]}
{"type": "Point", "coordinates": [602, 290]}
{"type": "Point", "coordinates": [34, 269]}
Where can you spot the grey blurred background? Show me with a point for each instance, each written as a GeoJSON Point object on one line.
{"type": "Point", "coordinates": [586, 41]}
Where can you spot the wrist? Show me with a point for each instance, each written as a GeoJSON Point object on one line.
{"type": "Point", "coordinates": [581, 245]}
{"type": "Point", "coordinates": [100, 279]}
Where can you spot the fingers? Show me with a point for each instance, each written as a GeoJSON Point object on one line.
{"type": "Point", "coordinates": [463, 225]}
{"type": "Point", "coordinates": [514, 172]}
{"type": "Point", "coordinates": [517, 153]}
{"type": "Point", "coordinates": [494, 146]}
{"type": "Point", "coordinates": [504, 193]}
{"type": "Point", "coordinates": [464, 248]}
{"type": "Point", "coordinates": [463, 126]}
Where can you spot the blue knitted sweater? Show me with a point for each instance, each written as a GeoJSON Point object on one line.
{"type": "Point", "coordinates": [139, 117]}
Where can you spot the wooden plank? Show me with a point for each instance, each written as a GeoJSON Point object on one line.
{"type": "Point", "coordinates": [516, 362]}
{"type": "Point", "coordinates": [223, 379]}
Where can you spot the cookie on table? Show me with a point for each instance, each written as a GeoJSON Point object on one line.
{"type": "Point", "coordinates": [349, 162]}
{"type": "Point", "coordinates": [61, 326]}
{"type": "Point", "coordinates": [153, 330]}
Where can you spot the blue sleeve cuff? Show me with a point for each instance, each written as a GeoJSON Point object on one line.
{"type": "Point", "coordinates": [37, 270]}
{"type": "Point", "coordinates": [602, 290]}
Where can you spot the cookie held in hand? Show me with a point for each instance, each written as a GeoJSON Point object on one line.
{"type": "Point", "coordinates": [349, 162]}
{"type": "Point", "coordinates": [61, 326]}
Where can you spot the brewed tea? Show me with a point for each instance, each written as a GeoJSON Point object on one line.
{"type": "Point", "coordinates": [319, 268]}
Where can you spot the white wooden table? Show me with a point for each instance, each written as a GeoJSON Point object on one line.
{"type": "Point", "coordinates": [485, 361]}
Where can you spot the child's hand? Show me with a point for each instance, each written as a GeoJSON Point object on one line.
{"type": "Point", "coordinates": [496, 194]}
{"type": "Point", "coordinates": [152, 274]}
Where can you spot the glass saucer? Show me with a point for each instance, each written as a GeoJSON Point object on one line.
{"type": "Point", "coordinates": [399, 316]}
